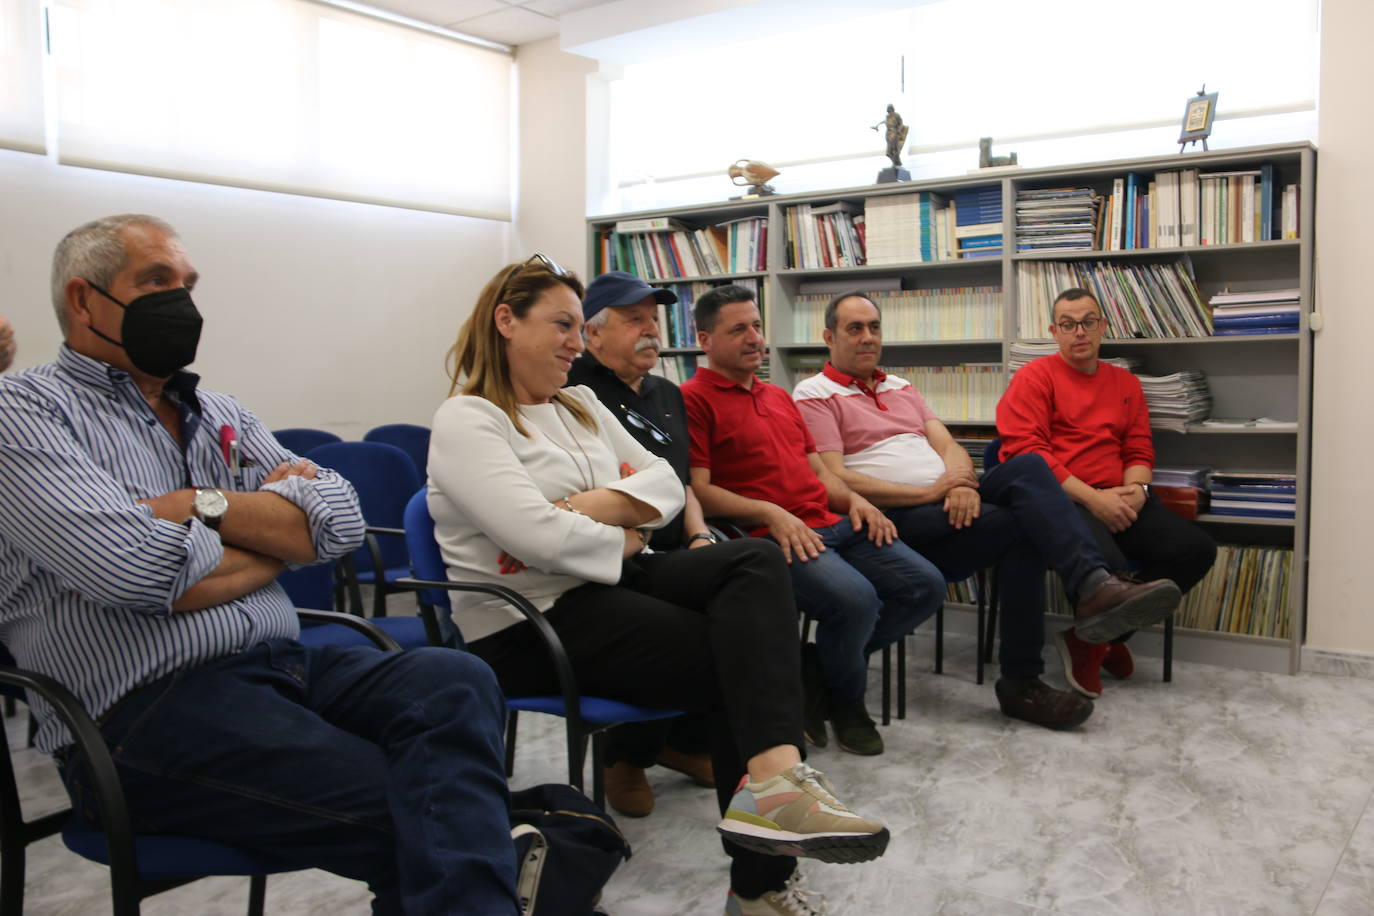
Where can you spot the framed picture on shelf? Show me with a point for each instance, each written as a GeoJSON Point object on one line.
{"type": "Point", "coordinates": [1197, 118]}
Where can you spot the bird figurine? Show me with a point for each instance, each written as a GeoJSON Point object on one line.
{"type": "Point", "coordinates": [755, 175]}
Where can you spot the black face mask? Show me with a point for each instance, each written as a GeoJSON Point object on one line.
{"type": "Point", "coordinates": [161, 330]}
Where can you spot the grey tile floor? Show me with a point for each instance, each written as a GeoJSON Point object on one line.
{"type": "Point", "coordinates": [1225, 792]}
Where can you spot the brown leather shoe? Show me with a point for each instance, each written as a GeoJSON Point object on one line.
{"type": "Point", "coordinates": [1118, 607]}
{"type": "Point", "coordinates": [696, 767]}
{"type": "Point", "coordinates": [1032, 700]}
{"type": "Point", "coordinates": [627, 790]}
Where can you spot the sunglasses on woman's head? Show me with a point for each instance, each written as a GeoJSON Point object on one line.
{"type": "Point", "coordinates": [553, 267]}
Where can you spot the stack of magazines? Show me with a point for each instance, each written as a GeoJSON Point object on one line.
{"type": "Point", "coordinates": [1180, 477]}
{"type": "Point", "coordinates": [1181, 489]}
{"type": "Point", "coordinates": [1023, 351]}
{"type": "Point", "coordinates": [1268, 312]}
{"type": "Point", "coordinates": [1056, 219]}
{"type": "Point", "coordinates": [1253, 495]}
{"type": "Point", "coordinates": [1176, 399]}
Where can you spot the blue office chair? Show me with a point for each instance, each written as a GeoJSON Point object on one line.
{"type": "Point", "coordinates": [301, 440]}
{"type": "Point", "coordinates": [409, 438]}
{"type": "Point", "coordinates": [317, 587]}
{"type": "Point", "coordinates": [140, 865]}
{"type": "Point", "coordinates": [991, 458]}
{"type": "Point", "coordinates": [384, 478]}
{"type": "Point", "coordinates": [585, 717]}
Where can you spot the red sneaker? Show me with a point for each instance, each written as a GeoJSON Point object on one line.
{"type": "Point", "coordinates": [1118, 663]}
{"type": "Point", "coordinates": [1082, 661]}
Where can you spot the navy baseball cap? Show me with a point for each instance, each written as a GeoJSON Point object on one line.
{"type": "Point", "coordinates": [616, 288]}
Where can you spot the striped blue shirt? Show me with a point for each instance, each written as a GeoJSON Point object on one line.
{"type": "Point", "coordinates": [87, 575]}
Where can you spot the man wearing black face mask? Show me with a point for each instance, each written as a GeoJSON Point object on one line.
{"type": "Point", "coordinates": [143, 525]}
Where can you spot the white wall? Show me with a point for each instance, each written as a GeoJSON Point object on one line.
{"type": "Point", "coordinates": [551, 208]}
{"type": "Point", "coordinates": [318, 312]}
{"type": "Point", "coordinates": [1339, 599]}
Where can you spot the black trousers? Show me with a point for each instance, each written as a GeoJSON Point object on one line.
{"type": "Point", "coordinates": [1158, 545]}
{"type": "Point", "coordinates": [638, 744]}
{"type": "Point", "coordinates": [710, 631]}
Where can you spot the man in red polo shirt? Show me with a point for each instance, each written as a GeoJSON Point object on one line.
{"type": "Point", "coordinates": [753, 461]}
{"type": "Point", "coordinates": [1089, 421]}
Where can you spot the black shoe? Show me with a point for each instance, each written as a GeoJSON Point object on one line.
{"type": "Point", "coordinates": [1032, 700]}
{"type": "Point", "coordinates": [855, 731]}
{"type": "Point", "coordinates": [813, 696]}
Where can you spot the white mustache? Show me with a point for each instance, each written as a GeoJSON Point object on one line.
{"type": "Point", "coordinates": [646, 343]}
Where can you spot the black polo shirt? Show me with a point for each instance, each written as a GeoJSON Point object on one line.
{"type": "Point", "coordinates": [660, 402]}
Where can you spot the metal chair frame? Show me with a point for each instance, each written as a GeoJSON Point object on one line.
{"type": "Point", "coordinates": [128, 887]}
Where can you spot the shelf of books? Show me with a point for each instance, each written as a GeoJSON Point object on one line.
{"type": "Point", "coordinates": [1202, 263]}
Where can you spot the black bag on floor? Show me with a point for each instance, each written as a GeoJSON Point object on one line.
{"type": "Point", "coordinates": [567, 847]}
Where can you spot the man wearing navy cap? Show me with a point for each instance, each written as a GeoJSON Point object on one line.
{"type": "Point", "coordinates": [623, 344]}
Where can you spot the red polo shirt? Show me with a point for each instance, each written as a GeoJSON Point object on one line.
{"type": "Point", "coordinates": [755, 444]}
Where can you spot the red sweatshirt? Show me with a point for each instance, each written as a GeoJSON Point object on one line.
{"type": "Point", "coordinates": [1091, 427]}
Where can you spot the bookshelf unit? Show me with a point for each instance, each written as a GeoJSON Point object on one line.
{"type": "Point", "coordinates": [1260, 375]}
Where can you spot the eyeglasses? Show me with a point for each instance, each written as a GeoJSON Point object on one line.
{"type": "Point", "coordinates": [639, 421]}
{"type": "Point", "coordinates": [1068, 327]}
{"type": "Point", "coordinates": [558, 270]}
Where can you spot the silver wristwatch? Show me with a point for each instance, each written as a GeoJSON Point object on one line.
{"type": "Point", "coordinates": [209, 505]}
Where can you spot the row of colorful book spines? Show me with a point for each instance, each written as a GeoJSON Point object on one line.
{"type": "Point", "coordinates": [1139, 313]}
{"type": "Point", "coordinates": [1109, 279]}
{"type": "Point", "coordinates": [1126, 317]}
{"type": "Point", "coordinates": [1245, 592]}
{"type": "Point", "coordinates": [989, 328]}
{"type": "Point", "coordinates": [966, 296]}
{"type": "Point", "coordinates": [1218, 218]}
{"type": "Point", "coordinates": [835, 233]}
{"type": "Point", "coordinates": [656, 254]}
{"type": "Point", "coordinates": [648, 255]}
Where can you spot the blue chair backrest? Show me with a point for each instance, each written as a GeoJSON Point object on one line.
{"type": "Point", "coordinates": [301, 440]}
{"type": "Point", "coordinates": [428, 563]}
{"type": "Point", "coordinates": [384, 477]}
{"type": "Point", "coordinates": [310, 586]}
{"type": "Point", "coordinates": [992, 454]}
{"type": "Point", "coordinates": [425, 557]}
{"type": "Point", "coordinates": [409, 438]}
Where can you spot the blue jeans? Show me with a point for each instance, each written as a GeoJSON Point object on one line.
{"type": "Point", "coordinates": [863, 598]}
{"type": "Point", "coordinates": [382, 767]}
{"type": "Point", "coordinates": [1027, 524]}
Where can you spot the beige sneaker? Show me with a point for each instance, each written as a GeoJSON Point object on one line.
{"type": "Point", "coordinates": [793, 900]}
{"type": "Point", "coordinates": [796, 813]}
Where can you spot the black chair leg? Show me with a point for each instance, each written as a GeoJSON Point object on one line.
{"type": "Point", "coordinates": [598, 763]}
{"type": "Point", "coordinates": [12, 880]}
{"type": "Point", "coordinates": [979, 585]}
{"type": "Point", "coordinates": [992, 618]}
{"type": "Point", "coordinates": [887, 684]}
{"type": "Point", "coordinates": [511, 717]}
{"type": "Point", "coordinates": [577, 756]}
{"type": "Point", "coordinates": [257, 895]}
{"type": "Point", "coordinates": [1169, 648]}
{"type": "Point", "coordinates": [901, 678]}
{"type": "Point", "coordinates": [940, 640]}
{"type": "Point", "coordinates": [9, 707]}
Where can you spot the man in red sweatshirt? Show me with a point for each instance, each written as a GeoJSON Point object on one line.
{"type": "Point", "coordinates": [1089, 421]}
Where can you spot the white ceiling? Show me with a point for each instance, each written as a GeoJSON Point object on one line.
{"type": "Point", "coordinates": [511, 22]}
